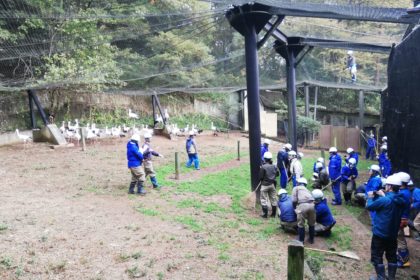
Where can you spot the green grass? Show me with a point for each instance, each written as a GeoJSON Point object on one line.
{"type": "Point", "coordinates": [190, 223]}
{"type": "Point", "coordinates": [3, 227]}
{"type": "Point", "coordinates": [206, 207]}
{"type": "Point", "coordinates": [315, 261]}
{"type": "Point", "coordinates": [146, 211]}
{"type": "Point", "coordinates": [340, 237]}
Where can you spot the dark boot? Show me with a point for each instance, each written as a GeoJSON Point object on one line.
{"type": "Point", "coordinates": [131, 188]}
{"type": "Point", "coordinates": [301, 233]}
{"type": "Point", "coordinates": [154, 182]}
{"type": "Point", "coordinates": [380, 272]}
{"type": "Point", "coordinates": [311, 234]}
{"type": "Point", "coordinates": [265, 212]}
{"type": "Point", "coordinates": [392, 271]}
{"type": "Point", "coordinates": [274, 211]}
{"type": "Point", "coordinates": [140, 189]}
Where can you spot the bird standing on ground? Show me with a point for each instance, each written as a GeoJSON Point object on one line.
{"type": "Point", "coordinates": [132, 115]}
{"type": "Point", "coordinates": [23, 137]}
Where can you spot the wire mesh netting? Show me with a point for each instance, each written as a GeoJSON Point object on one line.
{"type": "Point", "coordinates": [156, 47]}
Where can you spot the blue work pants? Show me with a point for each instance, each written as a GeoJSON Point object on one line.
{"type": "Point", "coordinates": [193, 158]}
{"type": "Point", "coordinates": [283, 178]}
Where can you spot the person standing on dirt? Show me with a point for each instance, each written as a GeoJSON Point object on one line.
{"type": "Point", "coordinates": [403, 255]}
{"type": "Point", "coordinates": [296, 169]}
{"type": "Point", "coordinates": [192, 152]}
{"type": "Point", "coordinates": [264, 148]}
{"type": "Point", "coordinates": [384, 162]}
{"type": "Point", "coordinates": [305, 209]}
{"type": "Point", "coordinates": [324, 218]}
{"type": "Point", "coordinates": [135, 161]}
{"type": "Point", "coordinates": [388, 206]}
{"type": "Point", "coordinates": [148, 153]}
{"type": "Point", "coordinates": [287, 214]}
{"type": "Point", "coordinates": [334, 169]}
{"type": "Point", "coordinates": [320, 176]}
{"type": "Point", "coordinates": [371, 146]}
{"type": "Point", "coordinates": [374, 184]}
{"type": "Point", "coordinates": [267, 175]}
{"type": "Point", "coordinates": [348, 179]}
{"type": "Point", "coordinates": [283, 164]}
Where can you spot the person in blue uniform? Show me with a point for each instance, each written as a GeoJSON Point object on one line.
{"type": "Point", "coordinates": [135, 161]}
{"type": "Point", "coordinates": [371, 146]}
{"type": "Point", "coordinates": [348, 179]}
{"type": "Point", "coordinates": [334, 169]}
{"type": "Point", "coordinates": [384, 162]}
{"type": "Point", "coordinates": [352, 154]}
{"type": "Point", "coordinates": [264, 148]}
{"type": "Point", "coordinates": [287, 214]}
{"type": "Point", "coordinates": [283, 164]}
{"type": "Point", "coordinates": [374, 184]}
{"type": "Point", "coordinates": [324, 218]}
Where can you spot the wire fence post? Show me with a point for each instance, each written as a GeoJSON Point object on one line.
{"type": "Point", "coordinates": [295, 260]}
{"type": "Point", "coordinates": [239, 150]}
{"type": "Point", "coordinates": [82, 136]}
{"type": "Point", "coordinates": [176, 166]}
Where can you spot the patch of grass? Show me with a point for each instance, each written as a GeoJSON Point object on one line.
{"type": "Point", "coordinates": [214, 207]}
{"type": "Point", "coordinates": [6, 262]}
{"type": "Point", "coordinates": [253, 222]}
{"type": "Point", "coordinates": [146, 211]}
{"type": "Point", "coordinates": [268, 231]}
{"type": "Point", "coordinates": [136, 255]}
{"type": "Point", "coordinates": [19, 271]}
{"type": "Point", "coordinates": [160, 275]}
{"type": "Point", "coordinates": [340, 237]}
{"type": "Point", "coordinates": [223, 257]}
{"type": "Point", "coordinates": [123, 257]}
{"type": "Point", "coordinates": [355, 211]}
{"type": "Point", "coordinates": [135, 272]}
{"type": "Point", "coordinates": [57, 267]}
{"type": "Point", "coordinates": [190, 202]}
{"type": "Point", "coordinates": [190, 223]}
{"type": "Point", "coordinates": [252, 275]}
{"type": "Point", "coordinates": [3, 227]}
{"type": "Point", "coordinates": [315, 261]}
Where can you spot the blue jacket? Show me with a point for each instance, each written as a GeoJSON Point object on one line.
{"type": "Point", "coordinates": [384, 164]}
{"type": "Point", "coordinates": [371, 142]}
{"type": "Point", "coordinates": [374, 184]}
{"type": "Point", "coordinates": [416, 198]}
{"type": "Point", "coordinates": [315, 170]}
{"type": "Point", "coordinates": [323, 213]}
{"type": "Point", "coordinates": [134, 156]}
{"type": "Point", "coordinates": [282, 160]}
{"type": "Point", "coordinates": [355, 156]}
{"type": "Point", "coordinates": [264, 148]}
{"type": "Point", "coordinates": [388, 208]}
{"type": "Point", "coordinates": [190, 146]}
{"type": "Point", "coordinates": [407, 202]}
{"type": "Point", "coordinates": [334, 167]}
{"type": "Point", "coordinates": [287, 212]}
{"type": "Point", "coordinates": [346, 172]}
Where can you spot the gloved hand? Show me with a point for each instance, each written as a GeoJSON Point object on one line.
{"type": "Point", "coordinates": [161, 156]}
{"type": "Point", "coordinates": [403, 223]}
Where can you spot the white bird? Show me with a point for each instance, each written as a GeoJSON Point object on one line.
{"type": "Point", "coordinates": [77, 136]}
{"type": "Point", "coordinates": [166, 114]}
{"type": "Point", "coordinates": [94, 129]}
{"type": "Point", "coordinates": [214, 129]}
{"type": "Point", "coordinates": [159, 118]}
{"type": "Point", "coordinates": [62, 128]}
{"type": "Point", "coordinates": [132, 115]}
{"type": "Point", "coordinates": [90, 135]}
{"type": "Point", "coordinates": [125, 128]}
{"type": "Point", "coordinates": [23, 137]}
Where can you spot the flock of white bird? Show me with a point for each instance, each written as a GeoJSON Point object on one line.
{"type": "Point", "coordinates": [71, 131]}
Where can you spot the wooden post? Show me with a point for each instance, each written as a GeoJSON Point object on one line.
{"type": "Point", "coordinates": [361, 109]}
{"type": "Point", "coordinates": [323, 154]}
{"type": "Point", "coordinates": [295, 260]}
{"type": "Point", "coordinates": [239, 150]}
{"type": "Point", "coordinates": [176, 166]}
{"type": "Point", "coordinates": [315, 105]}
{"type": "Point", "coordinates": [82, 137]}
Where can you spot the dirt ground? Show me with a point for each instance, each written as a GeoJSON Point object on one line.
{"type": "Point", "coordinates": [65, 214]}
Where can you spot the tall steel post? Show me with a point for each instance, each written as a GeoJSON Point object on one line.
{"type": "Point", "coordinates": [31, 110]}
{"type": "Point", "coordinates": [252, 83]}
{"type": "Point", "coordinates": [291, 96]}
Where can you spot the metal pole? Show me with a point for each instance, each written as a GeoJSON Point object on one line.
{"type": "Point", "coordinates": [291, 94]}
{"type": "Point", "coordinates": [31, 109]}
{"type": "Point", "coordinates": [39, 106]}
{"type": "Point", "coordinates": [82, 136]}
{"type": "Point", "coordinates": [176, 166]}
{"type": "Point", "coordinates": [316, 101]}
{"type": "Point", "coordinates": [253, 95]}
{"type": "Point", "coordinates": [239, 150]}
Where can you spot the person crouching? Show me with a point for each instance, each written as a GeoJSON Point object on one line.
{"type": "Point", "coordinates": [305, 209]}
{"type": "Point", "coordinates": [324, 218]}
{"type": "Point", "coordinates": [287, 214]}
{"type": "Point", "coordinates": [268, 174]}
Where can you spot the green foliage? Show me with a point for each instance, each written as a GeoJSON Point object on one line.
{"type": "Point", "coordinates": [190, 223]}
{"type": "Point", "coordinates": [305, 124]}
{"type": "Point", "coordinates": [146, 211]}
{"type": "Point", "coordinates": [340, 237]}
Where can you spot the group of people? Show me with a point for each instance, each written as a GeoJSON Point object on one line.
{"type": "Point", "coordinates": [391, 199]}
{"type": "Point", "coordinates": [139, 157]}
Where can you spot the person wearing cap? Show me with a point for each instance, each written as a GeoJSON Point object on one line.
{"type": "Point", "coordinates": [352, 66]}
{"type": "Point", "coordinates": [384, 162]}
{"type": "Point", "coordinates": [388, 206]}
{"type": "Point", "coordinates": [264, 148]}
{"type": "Point", "coordinates": [334, 168]}
{"type": "Point", "coordinates": [192, 152]}
{"type": "Point", "coordinates": [267, 175]}
{"type": "Point", "coordinates": [324, 218]}
{"type": "Point", "coordinates": [320, 176]}
{"type": "Point", "coordinates": [373, 185]}
{"type": "Point", "coordinates": [305, 209]}
{"type": "Point", "coordinates": [287, 214]}
{"type": "Point", "coordinates": [135, 161]}
{"type": "Point", "coordinates": [148, 153]}
{"type": "Point", "coordinates": [403, 254]}
{"type": "Point", "coordinates": [371, 145]}
{"type": "Point", "coordinates": [384, 141]}
{"type": "Point", "coordinates": [283, 164]}
{"type": "Point", "coordinates": [348, 179]}
{"type": "Point", "coordinates": [351, 154]}
{"type": "Point", "coordinates": [296, 169]}
{"type": "Point", "coordinates": [320, 160]}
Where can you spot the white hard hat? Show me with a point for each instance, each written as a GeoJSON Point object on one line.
{"type": "Point", "coordinates": [147, 135]}
{"type": "Point", "coordinates": [315, 174]}
{"type": "Point", "coordinates": [350, 52]}
{"type": "Point", "coordinates": [350, 150]}
{"type": "Point", "coordinates": [268, 155]}
{"type": "Point", "coordinates": [394, 180]}
{"type": "Point", "coordinates": [333, 150]}
{"type": "Point", "coordinates": [292, 154]}
{"type": "Point", "coordinates": [410, 183]}
{"type": "Point", "coordinates": [384, 147]}
{"type": "Point", "coordinates": [288, 146]}
{"type": "Point", "coordinates": [302, 180]}
{"type": "Point", "coordinates": [319, 165]}
{"type": "Point", "coordinates": [320, 160]}
{"type": "Point", "coordinates": [375, 167]}
{"type": "Point", "coordinates": [300, 154]}
{"type": "Point", "coordinates": [405, 177]}
{"type": "Point", "coordinates": [191, 133]}
{"type": "Point", "coordinates": [135, 137]}
{"type": "Point", "coordinates": [281, 191]}
{"type": "Point", "coordinates": [385, 138]}
{"type": "Point", "coordinates": [352, 161]}
{"type": "Point", "coordinates": [267, 141]}
{"type": "Point", "coordinates": [317, 194]}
